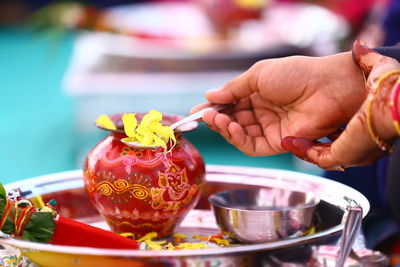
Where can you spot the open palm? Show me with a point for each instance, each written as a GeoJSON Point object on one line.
{"type": "Point", "coordinates": [294, 96]}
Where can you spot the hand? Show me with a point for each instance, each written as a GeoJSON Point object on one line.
{"type": "Point", "coordinates": [355, 145]}
{"type": "Point", "coordinates": [299, 96]}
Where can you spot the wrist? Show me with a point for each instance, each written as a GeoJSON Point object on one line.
{"type": "Point", "coordinates": [351, 70]}
{"type": "Point", "coordinates": [346, 72]}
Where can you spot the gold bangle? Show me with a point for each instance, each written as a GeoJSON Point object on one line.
{"type": "Point", "coordinates": [378, 140]}
{"type": "Point", "coordinates": [381, 144]}
{"type": "Point", "coordinates": [382, 78]}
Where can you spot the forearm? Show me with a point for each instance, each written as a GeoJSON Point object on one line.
{"type": "Point", "coordinates": [382, 72]}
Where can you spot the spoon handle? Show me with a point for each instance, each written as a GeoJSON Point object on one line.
{"type": "Point", "coordinates": [196, 115]}
{"type": "Point", "coordinates": [351, 228]}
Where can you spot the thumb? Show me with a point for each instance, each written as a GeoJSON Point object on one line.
{"type": "Point", "coordinates": [365, 57]}
{"type": "Point", "coordinates": [240, 87]}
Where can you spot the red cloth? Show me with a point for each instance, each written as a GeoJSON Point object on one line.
{"type": "Point", "coordinates": [73, 233]}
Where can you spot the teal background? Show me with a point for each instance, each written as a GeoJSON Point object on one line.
{"type": "Point", "coordinates": [38, 134]}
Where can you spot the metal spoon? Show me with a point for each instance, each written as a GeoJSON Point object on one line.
{"type": "Point", "coordinates": [195, 116]}
{"type": "Point", "coordinates": [351, 228]}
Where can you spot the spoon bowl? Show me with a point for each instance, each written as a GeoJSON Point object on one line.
{"type": "Point", "coordinates": [181, 125]}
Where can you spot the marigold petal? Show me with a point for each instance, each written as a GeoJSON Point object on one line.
{"type": "Point", "coordinates": [130, 124]}
{"type": "Point", "coordinates": [105, 122]}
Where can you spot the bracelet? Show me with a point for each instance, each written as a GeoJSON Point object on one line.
{"type": "Point", "coordinates": [394, 106]}
{"type": "Point", "coordinates": [382, 78]}
{"type": "Point", "coordinates": [381, 144]}
{"type": "Point", "coordinates": [379, 141]}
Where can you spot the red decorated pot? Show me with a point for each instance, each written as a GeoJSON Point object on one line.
{"type": "Point", "coordinates": [142, 190]}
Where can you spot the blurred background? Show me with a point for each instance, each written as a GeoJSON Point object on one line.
{"type": "Point", "coordinates": [64, 63]}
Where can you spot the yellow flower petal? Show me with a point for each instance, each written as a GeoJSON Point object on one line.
{"type": "Point", "coordinates": [105, 122]}
{"type": "Point", "coordinates": [157, 141]}
{"type": "Point", "coordinates": [179, 235]}
{"type": "Point", "coordinates": [221, 242]}
{"type": "Point", "coordinates": [148, 236]}
{"type": "Point", "coordinates": [144, 136]}
{"type": "Point", "coordinates": [192, 246]}
{"type": "Point", "coordinates": [130, 124]}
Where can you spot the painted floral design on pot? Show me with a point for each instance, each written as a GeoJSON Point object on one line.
{"type": "Point", "coordinates": [142, 190]}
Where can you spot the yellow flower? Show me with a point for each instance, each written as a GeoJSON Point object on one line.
{"type": "Point", "coordinates": [150, 131]}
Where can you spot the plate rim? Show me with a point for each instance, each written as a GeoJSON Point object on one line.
{"type": "Point", "coordinates": [211, 169]}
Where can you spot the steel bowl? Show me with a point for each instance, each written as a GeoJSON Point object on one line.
{"type": "Point", "coordinates": [259, 215]}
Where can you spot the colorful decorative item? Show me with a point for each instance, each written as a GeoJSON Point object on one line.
{"type": "Point", "coordinates": [20, 219]}
{"type": "Point", "coordinates": [139, 190]}
{"type": "Point", "coordinates": [10, 257]}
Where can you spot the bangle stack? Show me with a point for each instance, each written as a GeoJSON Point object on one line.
{"type": "Point", "coordinates": [396, 119]}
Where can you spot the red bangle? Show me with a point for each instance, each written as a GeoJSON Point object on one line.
{"type": "Point", "coordinates": [394, 106]}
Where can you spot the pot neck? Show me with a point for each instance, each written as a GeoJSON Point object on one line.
{"type": "Point", "coordinates": [118, 134]}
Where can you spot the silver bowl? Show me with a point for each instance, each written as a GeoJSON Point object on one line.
{"type": "Point", "coordinates": [259, 215]}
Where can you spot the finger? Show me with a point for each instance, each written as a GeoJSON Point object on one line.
{"type": "Point", "coordinates": [238, 135]}
{"type": "Point", "coordinates": [238, 88]}
{"type": "Point", "coordinates": [351, 148]}
{"type": "Point", "coordinates": [245, 117]}
{"type": "Point", "coordinates": [335, 135]}
{"type": "Point", "coordinates": [257, 145]}
{"type": "Point", "coordinates": [366, 57]}
{"type": "Point", "coordinates": [251, 146]}
{"type": "Point", "coordinates": [254, 130]}
{"type": "Point", "coordinates": [244, 104]}
{"type": "Point", "coordinates": [199, 107]}
{"type": "Point", "coordinates": [222, 122]}
{"type": "Point", "coordinates": [240, 139]}
{"type": "Point", "coordinates": [218, 122]}
{"type": "Point", "coordinates": [230, 130]}
{"type": "Point", "coordinates": [298, 146]}
{"type": "Point", "coordinates": [209, 117]}
{"type": "Point", "coordinates": [314, 152]}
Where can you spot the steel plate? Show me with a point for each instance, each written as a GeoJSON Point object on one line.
{"type": "Point", "coordinates": [67, 189]}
